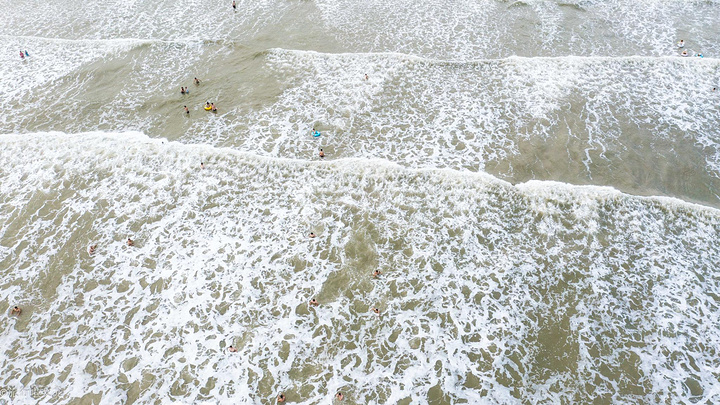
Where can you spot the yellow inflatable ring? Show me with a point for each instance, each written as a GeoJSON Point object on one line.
{"type": "Point", "coordinates": [208, 108]}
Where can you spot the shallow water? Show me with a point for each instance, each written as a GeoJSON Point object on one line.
{"type": "Point", "coordinates": [536, 181]}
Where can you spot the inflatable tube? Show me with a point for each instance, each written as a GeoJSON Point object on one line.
{"type": "Point", "coordinates": [208, 108]}
{"type": "Point", "coordinates": [316, 134]}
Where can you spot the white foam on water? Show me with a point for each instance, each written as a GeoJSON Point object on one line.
{"type": "Point", "coordinates": [468, 29]}
{"type": "Point", "coordinates": [48, 62]}
{"type": "Point", "coordinates": [163, 19]}
{"type": "Point", "coordinates": [489, 293]}
{"type": "Point", "coordinates": [431, 113]}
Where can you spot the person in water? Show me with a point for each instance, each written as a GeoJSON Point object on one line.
{"type": "Point", "coordinates": [684, 53]}
{"type": "Point", "coordinates": [322, 154]}
{"type": "Point", "coordinates": [202, 165]}
{"type": "Point", "coordinates": [213, 108]}
{"type": "Point", "coordinates": [377, 311]}
{"type": "Point", "coordinates": [130, 242]}
{"type": "Point", "coordinates": [339, 396]}
{"type": "Point", "coordinates": [376, 274]}
{"type": "Point", "coordinates": [207, 105]}
{"type": "Point", "coordinates": [281, 397]}
{"type": "Point", "coordinates": [16, 311]}
{"type": "Point", "coordinates": [232, 349]}
{"type": "Point", "coordinates": [26, 53]}
{"type": "Point", "coordinates": [22, 55]}
{"type": "Point", "coordinates": [186, 110]}
{"type": "Point", "coordinates": [312, 234]}
{"type": "Point", "coordinates": [197, 81]}
{"type": "Point", "coordinates": [314, 302]}
{"type": "Point", "coordinates": [234, 6]}
{"type": "Point", "coordinates": [182, 90]}
{"type": "Point", "coordinates": [681, 44]}
{"type": "Point", "coordinates": [366, 76]}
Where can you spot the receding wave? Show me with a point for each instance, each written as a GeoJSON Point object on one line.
{"type": "Point", "coordinates": [488, 291]}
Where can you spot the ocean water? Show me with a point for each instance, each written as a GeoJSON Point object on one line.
{"type": "Point", "coordinates": [538, 183]}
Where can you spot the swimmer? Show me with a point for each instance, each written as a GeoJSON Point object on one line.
{"type": "Point", "coordinates": [699, 55]}
{"type": "Point", "coordinates": [681, 44]}
{"type": "Point", "coordinates": [207, 104]}
{"type": "Point", "coordinates": [91, 249]}
{"type": "Point", "coordinates": [377, 311]}
{"type": "Point", "coordinates": [281, 397]}
{"type": "Point", "coordinates": [232, 349]}
{"type": "Point", "coordinates": [213, 108]}
{"type": "Point", "coordinates": [376, 274]}
{"type": "Point", "coordinates": [16, 311]}
{"type": "Point", "coordinates": [22, 55]}
{"type": "Point", "coordinates": [684, 53]}
{"type": "Point", "coordinates": [196, 81]}
{"type": "Point", "coordinates": [322, 154]}
{"type": "Point", "coordinates": [312, 234]}
{"type": "Point", "coordinates": [202, 165]}
{"type": "Point", "coordinates": [339, 396]}
{"type": "Point", "coordinates": [130, 242]}
{"type": "Point", "coordinates": [182, 90]}
{"type": "Point", "coordinates": [234, 6]}
{"type": "Point", "coordinates": [366, 76]}
{"type": "Point", "coordinates": [26, 53]}
{"type": "Point", "coordinates": [186, 110]}
{"type": "Point", "coordinates": [314, 302]}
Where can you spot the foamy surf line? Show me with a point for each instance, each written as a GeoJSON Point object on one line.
{"type": "Point", "coordinates": [513, 58]}
{"type": "Point", "coordinates": [488, 292]}
{"type": "Point", "coordinates": [112, 41]}
{"type": "Point", "coordinates": [547, 188]}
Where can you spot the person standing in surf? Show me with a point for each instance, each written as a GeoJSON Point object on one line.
{"type": "Point", "coordinates": [234, 6]}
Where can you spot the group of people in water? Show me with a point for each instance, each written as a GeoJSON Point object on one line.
{"type": "Point", "coordinates": [681, 45]}
{"type": "Point", "coordinates": [91, 251]}
{"type": "Point", "coordinates": [314, 303]}
{"type": "Point", "coordinates": [93, 248]}
{"type": "Point", "coordinates": [208, 105]}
